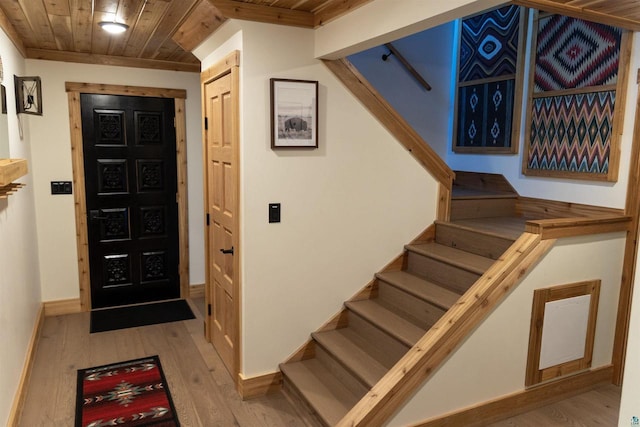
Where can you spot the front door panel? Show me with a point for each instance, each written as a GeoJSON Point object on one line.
{"type": "Point", "coordinates": [129, 149]}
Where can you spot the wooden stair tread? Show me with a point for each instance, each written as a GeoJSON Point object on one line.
{"type": "Point", "coordinates": [420, 288]}
{"type": "Point", "coordinates": [324, 392]}
{"type": "Point", "coordinates": [462, 259]}
{"type": "Point", "coordinates": [349, 348]}
{"type": "Point", "coordinates": [396, 326]}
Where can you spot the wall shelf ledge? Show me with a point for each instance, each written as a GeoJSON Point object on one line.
{"type": "Point", "coordinates": [10, 170]}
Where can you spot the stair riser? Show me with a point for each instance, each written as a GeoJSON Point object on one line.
{"type": "Point", "coordinates": [428, 268]}
{"type": "Point", "coordinates": [362, 366]}
{"type": "Point", "coordinates": [414, 309]}
{"type": "Point", "coordinates": [294, 396]}
{"type": "Point", "coordinates": [385, 348]}
{"type": "Point", "coordinates": [483, 182]}
{"type": "Point", "coordinates": [470, 241]}
{"type": "Point", "coordinates": [482, 208]}
{"type": "Point", "coordinates": [352, 383]}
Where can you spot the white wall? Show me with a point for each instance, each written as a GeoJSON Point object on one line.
{"type": "Point", "coordinates": [430, 52]}
{"type": "Point", "coordinates": [50, 136]}
{"type": "Point", "coordinates": [19, 271]}
{"type": "Point", "coordinates": [493, 360]}
{"type": "Point", "coordinates": [347, 208]}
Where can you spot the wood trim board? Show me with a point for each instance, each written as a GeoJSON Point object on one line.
{"type": "Point", "coordinates": [74, 90]}
{"type": "Point", "coordinates": [196, 291]}
{"type": "Point", "coordinates": [110, 60]}
{"type": "Point", "coordinates": [444, 203]}
{"type": "Point", "coordinates": [23, 384]}
{"type": "Point", "coordinates": [533, 208]}
{"type": "Point", "coordinates": [632, 208]}
{"type": "Point", "coordinates": [271, 15]}
{"type": "Point", "coordinates": [62, 307]}
{"type": "Point", "coordinates": [261, 385]}
{"type": "Point", "coordinates": [183, 195]}
{"type": "Point", "coordinates": [570, 227]}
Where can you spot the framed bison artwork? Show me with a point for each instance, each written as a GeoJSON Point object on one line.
{"type": "Point", "coordinates": [294, 113]}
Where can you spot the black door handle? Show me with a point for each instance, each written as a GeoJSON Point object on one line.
{"type": "Point", "coordinates": [94, 215]}
{"type": "Point", "coordinates": [227, 251]}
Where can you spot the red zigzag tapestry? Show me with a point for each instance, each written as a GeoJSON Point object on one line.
{"type": "Point", "coordinates": [571, 131]}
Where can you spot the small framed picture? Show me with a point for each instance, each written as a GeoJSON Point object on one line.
{"type": "Point", "coordinates": [28, 95]}
{"type": "Point", "coordinates": [294, 113]}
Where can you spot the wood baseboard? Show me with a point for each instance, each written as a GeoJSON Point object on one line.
{"type": "Point", "coordinates": [21, 392]}
{"type": "Point", "coordinates": [196, 291]}
{"type": "Point", "coordinates": [523, 401]}
{"type": "Point", "coordinates": [63, 306]}
{"type": "Point", "coordinates": [253, 387]}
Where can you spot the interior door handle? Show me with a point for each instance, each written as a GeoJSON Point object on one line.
{"type": "Point", "coordinates": [94, 215]}
{"type": "Point", "coordinates": [227, 251]}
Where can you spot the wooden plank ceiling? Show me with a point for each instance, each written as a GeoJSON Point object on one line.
{"type": "Point", "coordinates": [162, 33]}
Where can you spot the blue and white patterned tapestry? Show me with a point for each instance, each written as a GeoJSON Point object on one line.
{"type": "Point", "coordinates": [489, 44]}
{"type": "Point", "coordinates": [572, 53]}
{"type": "Point", "coordinates": [485, 114]}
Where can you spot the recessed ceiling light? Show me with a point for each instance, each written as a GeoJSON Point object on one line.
{"type": "Point", "coordinates": [113, 27]}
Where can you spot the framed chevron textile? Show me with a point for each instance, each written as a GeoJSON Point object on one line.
{"type": "Point", "coordinates": [576, 99]}
{"type": "Point", "coordinates": [572, 132]}
{"type": "Point", "coordinates": [489, 81]}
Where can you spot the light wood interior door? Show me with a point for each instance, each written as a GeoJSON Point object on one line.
{"type": "Point", "coordinates": [222, 210]}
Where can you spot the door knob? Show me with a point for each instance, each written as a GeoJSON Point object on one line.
{"type": "Point", "coordinates": [94, 215]}
{"type": "Point", "coordinates": [227, 251]}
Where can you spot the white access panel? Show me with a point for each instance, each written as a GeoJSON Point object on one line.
{"type": "Point", "coordinates": [564, 330]}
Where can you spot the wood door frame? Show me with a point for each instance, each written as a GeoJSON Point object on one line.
{"type": "Point", "coordinates": [77, 159]}
{"type": "Point", "coordinates": [228, 65]}
{"type": "Point", "coordinates": [632, 208]}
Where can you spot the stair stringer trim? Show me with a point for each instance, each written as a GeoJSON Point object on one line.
{"type": "Point", "coordinates": [383, 400]}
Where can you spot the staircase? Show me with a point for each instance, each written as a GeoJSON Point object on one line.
{"type": "Point", "coordinates": [343, 361]}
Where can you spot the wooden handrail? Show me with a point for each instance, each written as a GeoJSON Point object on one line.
{"type": "Point", "coordinates": [390, 119]}
{"type": "Point", "coordinates": [375, 408]}
{"type": "Point", "coordinates": [577, 226]}
{"type": "Point", "coordinates": [416, 75]}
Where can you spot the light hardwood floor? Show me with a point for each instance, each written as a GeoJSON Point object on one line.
{"type": "Point", "coordinates": [598, 407]}
{"type": "Point", "coordinates": [202, 389]}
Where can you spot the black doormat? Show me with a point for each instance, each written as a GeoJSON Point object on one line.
{"type": "Point", "coordinates": [140, 315]}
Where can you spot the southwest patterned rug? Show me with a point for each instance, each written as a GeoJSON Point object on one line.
{"type": "Point", "coordinates": [133, 393]}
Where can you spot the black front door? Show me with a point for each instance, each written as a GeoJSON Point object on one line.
{"type": "Point", "coordinates": [130, 172]}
